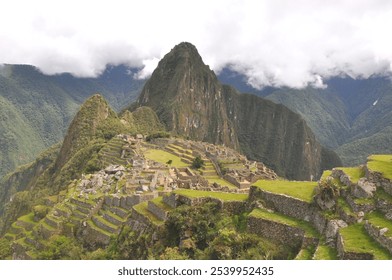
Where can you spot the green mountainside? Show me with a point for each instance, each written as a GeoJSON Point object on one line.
{"type": "Point", "coordinates": [116, 194]}
{"type": "Point", "coordinates": [36, 109]}
{"type": "Point", "coordinates": [351, 116]}
{"type": "Point", "coordinates": [190, 101]}
{"type": "Point", "coordinates": [140, 184]}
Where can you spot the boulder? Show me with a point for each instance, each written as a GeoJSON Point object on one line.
{"type": "Point", "coordinates": [333, 227]}
{"type": "Point", "coordinates": [364, 189]}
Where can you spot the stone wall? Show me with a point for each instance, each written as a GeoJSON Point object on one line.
{"type": "Point", "coordinates": [348, 218]}
{"type": "Point", "coordinates": [343, 177]}
{"type": "Point", "coordinates": [241, 185]}
{"type": "Point", "coordinates": [103, 226]}
{"type": "Point", "coordinates": [233, 207]}
{"type": "Point", "coordinates": [319, 221]}
{"type": "Point", "coordinates": [140, 218]}
{"type": "Point", "coordinates": [231, 179]}
{"type": "Point", "coordinates": [111, 219]}
{"type": "Point", "coordinates": [170, 200]}
{"type": "Point", "coordinates": [127, 202]}
{"type": "Point", "coordinates": [359, 207]}
{"type": "Point", "coordinates": [283, 204]}
{"type": "Point", "coordinates": [378, 235]}
{"type": "Point", "coordinates": [118, 211]}
{"type": "Point", "coordinates": [379, 180]}
{"type": "Point", "coordinates": [346, 255]}
{"type": "Point", "coordinates": [384, 206]}
{"type": "Point", "coordinates": [157, 211]}
{"type": "Point", "coordinates": [94, 238]}
{"type": "Point", "coordinates": [81, 203]}
{"type": "Point", "coordinates": [278, 232]}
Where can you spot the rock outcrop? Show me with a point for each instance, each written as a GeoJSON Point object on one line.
{"type": "Point", "coordinates": [190, 101]}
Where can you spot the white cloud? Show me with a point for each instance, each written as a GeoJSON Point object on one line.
{"type": "Point", "coordinates": [280, 42]}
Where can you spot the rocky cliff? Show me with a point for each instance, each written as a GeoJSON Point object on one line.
{"type": "Point", "coordinates": [190, 101]}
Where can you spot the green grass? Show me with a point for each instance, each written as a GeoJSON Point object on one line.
{"type": "Point", "coordinates": [163, 157]}
{"type": "Point", "coordinates": [355, 173]}
{"type": "Point", "coordinates": [142, 208]}
{"type": "Point", "coordinates": [221, 182]}
{"type": "Point", "coordinates": [297, 189]}
{"type": "Point", "coordinates": [325, 175]}
{"type": "Point", "coordinates": [378, 219]}
{"type": "Point", "coordinates": [29, 218]}
{"type": "Point", "coordinates": [345, 206]}
{"type": "Point", "coordinates": [357, 240]}
{"type": "Point", "coordinates": [220, 195]}
{"type": "Point", "coordinates": [324, 252]}
{"type": "Point", "coordinates": [382, 164]}
{"type": "Point", "coordinates": [305, 254]}
{"type": "Point", "coordinates": [279, 218]}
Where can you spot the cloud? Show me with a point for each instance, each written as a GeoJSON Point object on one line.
{"type": "Point", "coordinates": [278, 43]}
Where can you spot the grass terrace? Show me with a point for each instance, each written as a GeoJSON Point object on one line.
{"type": "Point", "coordinates": [159, 202]}
{"type": "Point", "coordinates": [220, 195]}
{"type": "Point", "coordinates": [378, 219]}
{"type": "Point", "coordinates": [163, 157]}
{"type": "Point", "coordinates": [382, 164]}
{"type": "Point", "coordinates": [324, 252]}
{"type": "Point", "coordinates": [142, 208]}
{"type": "Point", "coordinates": [305, 254]}
{"type": "Point", "coordinates": [357, 240]}
{"type": "Point", "coordinates": [355, 173]}
{"type": "Point", "coordinates": [325, 174]}
{"type": "Point", "coordinates": [29, 218]}
{"type": "Point", "coordinates": [297, 189]}
{"type": "Point", "coordinates": [221, 182]}
{"type": "Point", "coordinates": [282, 219]}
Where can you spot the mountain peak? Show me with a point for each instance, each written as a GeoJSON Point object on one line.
{"type": "Point", "coordinates": [84, 127]}
{"type": "Point", "coordinates": [188, 98]}
{"type": "Point", "coordinates": [185, 93]}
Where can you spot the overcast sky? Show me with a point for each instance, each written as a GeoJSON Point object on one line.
{"type": "Point", "coordinates": [276, 42]}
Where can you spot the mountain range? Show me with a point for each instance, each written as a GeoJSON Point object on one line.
{"type": "Point", "coordinates": [36, 109]}
{"type": "Point", "coordinates": [350, 116]}
{"type": "Point", "coordinates": [139, 183]}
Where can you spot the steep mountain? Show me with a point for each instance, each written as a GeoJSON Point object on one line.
{"type": "Point", "coordinates": [87, 147]}
{"type": "Point", "coordinates": [190, 101]}
{"type": "Point", "coordinates": [351, 116]}
{"type": "Point", "coordinates": [36, 109]}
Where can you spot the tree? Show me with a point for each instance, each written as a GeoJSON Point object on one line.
{"type": "Point", "coordinates": [197, 162]}
{"type": "Point", "coordinates": [169, 162]}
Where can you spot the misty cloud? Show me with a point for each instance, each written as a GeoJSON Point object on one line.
{"type": "Point", "coordinates": [278, 43]}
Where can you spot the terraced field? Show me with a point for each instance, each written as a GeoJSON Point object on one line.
{"type": "Point", "coordinates": [220, 195]}
{"type": "Point", "coordinates": [163, 157]}
{"type": "Point", "coordinates": [356, 239]}
{"type": "Point", "coordinates": [297, 189]}
{"type": "Point", "coordinates": [382, 164]}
